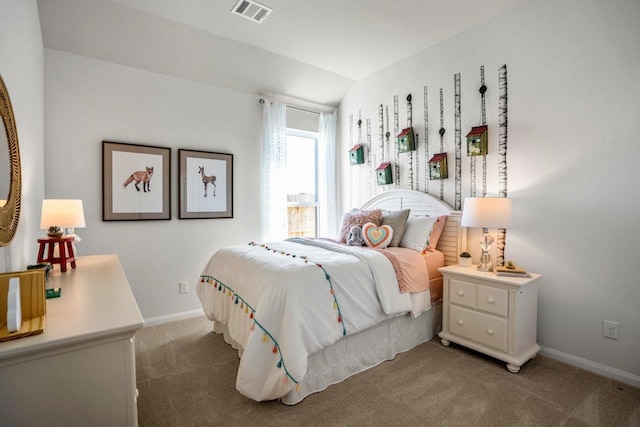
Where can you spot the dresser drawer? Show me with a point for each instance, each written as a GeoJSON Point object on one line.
{"type": "Point", "coordinates": [493, 300]}
{"type": "Point", "coordinates": [483, 328]}
{"type": "Point", "coordinates": [462, 293]}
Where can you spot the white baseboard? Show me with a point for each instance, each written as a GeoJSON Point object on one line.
{"type": "Point", "coordinates": [598, 368]}
{"type": "Point", "coordinates": [159, 320]}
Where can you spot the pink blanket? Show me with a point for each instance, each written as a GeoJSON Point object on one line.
{"type": "Point", "coordinates": [410, 267]}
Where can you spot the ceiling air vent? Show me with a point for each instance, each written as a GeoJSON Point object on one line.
{"type": "Point", "coordinates": [251, 10]}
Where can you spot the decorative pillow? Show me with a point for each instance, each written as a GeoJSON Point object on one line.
{"type": "Point", "coordinates": [377, 237]}
{"type": "Point", "coordinates": [436, 231]}
{"type": "Point", "coordinates": [398, 221]}
{"type": "Point", "coordinates": [416, 235]}
{"type": "Point", "coordinates": [358, 218]}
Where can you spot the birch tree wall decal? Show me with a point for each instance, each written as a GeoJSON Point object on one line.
{"type": "Point", "coordinates": [387, 156]}
{"type": "Point", "coordinates": [410, 154]}
{"type": "Point", "coordinates": [371, 166]}
{"type": "Point", "coordinates": [458, 142]}
{"type": "Point", "coordinates": [426, 140]}
{"type": "Point", "coordinates": [502, 153]}
{"type": "Point", "coordinates": [442, 131]}
{"type": "Point", "coordinates": [483, 90]}
{"type": "Point", "coordinates": [351, 169]}
{"type": "Point", "coordinates": [396, 131]}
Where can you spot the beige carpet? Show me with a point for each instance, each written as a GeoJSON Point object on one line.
{"type": "Point", "coordinates": [186, 377]}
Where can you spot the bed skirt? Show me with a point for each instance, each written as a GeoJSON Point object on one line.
{"type": "Point", "coordinates": [359, 352]}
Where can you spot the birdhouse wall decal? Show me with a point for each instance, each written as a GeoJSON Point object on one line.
{"type": "Point", "coordinates": [406, 141]}
{"type": "Point", "coordinates": [438, 167]}
{"type": "Point", "coordinates": [384, 174]}
{"type": "Point", "coordinates": [477, 141]}
{"type": "Point", "coordinates": [356, 155]}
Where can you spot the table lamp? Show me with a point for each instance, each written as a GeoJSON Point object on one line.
{"type": "Point", "coordinates": [66, 214]}
{"type": "Point", "coordinates": [486, 212]}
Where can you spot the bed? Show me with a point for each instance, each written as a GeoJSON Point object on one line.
{"type": "Point", "coordinates": [307, 313]}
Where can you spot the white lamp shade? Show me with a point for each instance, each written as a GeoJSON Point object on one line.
{"type": "Point", "coordinates": [486, 212]}
{"type": "Point", "coordinates": [63, 213]}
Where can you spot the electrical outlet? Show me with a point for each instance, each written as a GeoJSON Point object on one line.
{"type": "Point", "coordinates": [611, 329]}
{"type": "Point", "coordinates": [184, 287]}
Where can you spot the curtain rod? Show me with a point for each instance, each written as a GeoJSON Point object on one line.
{"type": "Point", "coordinates": [262, 101]}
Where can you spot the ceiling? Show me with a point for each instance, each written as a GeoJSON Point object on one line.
{"type": "Point", "coordinates": [307, 50]}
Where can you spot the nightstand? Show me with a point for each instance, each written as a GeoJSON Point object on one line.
{"type": "Point", "coordinates": [494, 315]}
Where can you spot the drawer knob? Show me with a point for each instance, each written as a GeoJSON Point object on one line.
{"type": "Point", "coordinates": [461, 293]}
{"type": "Point", "coordinates": [490, 332]}
{"type": "Point", "coordinates": [460, 322]}
{"type": "Point", "coordinates": [490, 300]}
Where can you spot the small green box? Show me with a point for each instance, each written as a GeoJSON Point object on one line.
{"type": "Point", "coordinates": [384, 174]}
{"type": "Point", "coordinates": [477, 141]}
{"type": "Point", "coordinates": [438, 167]}
{"type": "Point", "coordinates": [406, 142]}
{"type": "Point", "coordinates": [356, 155]}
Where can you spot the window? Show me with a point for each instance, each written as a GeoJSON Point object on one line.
{"type": "Point", "coordinates": [302, 183]}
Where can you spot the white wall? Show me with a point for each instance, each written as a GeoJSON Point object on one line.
{"type": "Point", "coordinates": [573, 102]}
{"type": "Point", "coordinates": [21, 59]}
{"type": "Point", "coordinates": [88, 101]}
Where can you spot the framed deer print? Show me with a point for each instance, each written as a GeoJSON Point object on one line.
{"type": "Point", "coordinates": [135, 182]}
{"type": "Point", "coordinates": [205, 184]}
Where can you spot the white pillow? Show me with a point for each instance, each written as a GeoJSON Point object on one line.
{"type": "Point", "coordinates": [416, 234]}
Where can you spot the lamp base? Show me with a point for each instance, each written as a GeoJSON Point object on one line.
{"type": "Point", "coordinates": [485, 259]}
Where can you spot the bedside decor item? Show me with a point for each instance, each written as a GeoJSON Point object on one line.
{"type": "Point", "coordinates": [11, 183]}
{"type": "Point", "coordinates": [511, 271]}
{"type": "Point", "coordinates": [54, 231]}
{"type": "Point", "coordinates": [477, 141]}
{"type": "Point", "coordinates": [59, 214]}
{"type": "Point", "coordinates": [57, 250]}
{"type": "Point", "coordinates": [356, 155]}
{"type": "Point", "coordinates": [465, 259]}
{"type": "Point", "coordinates": [27, 288]}
{"type": "Point", "coordinates": [438, 167]}
{"type": "Point", "coordinates": [135, 182]}
{"type": "Point", "coordinates": [61, 217]}
{"type": "Point", "coordinates": [406, 141]}
{"type": "Point", "coordinates": [486, 212]}
{"type": "Point", "coordinates": [384, 174]}
{"type": "Point", "coordinates": [205, 184]}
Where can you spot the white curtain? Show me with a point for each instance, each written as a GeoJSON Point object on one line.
{"type": "Point", "coordinates": [274, 163]}
{"type": "Point", "coordinates": [328, 221]}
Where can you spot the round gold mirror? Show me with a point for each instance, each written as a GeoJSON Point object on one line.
{"type": "Point", "coordinates": [10, 173]}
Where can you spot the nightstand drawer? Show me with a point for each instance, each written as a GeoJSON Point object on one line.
{"type": "Point", "coordinates": [493, 300]}
{"type": "Point", "coordinates": [462, 293]}
{"type": "Point", "coordinates": [483, 328]}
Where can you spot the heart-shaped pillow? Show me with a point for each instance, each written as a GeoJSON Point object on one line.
{"type": "Point", "coordinates": [377, 237]}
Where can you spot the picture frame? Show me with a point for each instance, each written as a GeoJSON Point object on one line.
{"type": "Point", "coordinates": [135, 182]}
{"type": "Point", "coordinates": [205, 184]}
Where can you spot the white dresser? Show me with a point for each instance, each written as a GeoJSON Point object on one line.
{"type": "Point", "coordinates": [81, 370]}
{"type": "Point", "coordinates": [495, 315]}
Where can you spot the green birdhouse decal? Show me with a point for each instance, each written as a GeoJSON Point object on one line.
{"type": "Point", "coordinates": [438, 167]}
{"type": "Point", "coordinates": [477, 141]}
{"type": "Point", "coordinates": [406, 141]}
{"type": "Point", "coordinates": [384, 174]}
{"type": "Point", "coordinates": [356, 155]}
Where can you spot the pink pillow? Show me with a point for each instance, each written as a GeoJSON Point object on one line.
{"type": "Point", "coordinates": [377, 237]}
{"type": "Point", "coordinates": [359, 218]}
{"type": "Point", "coordinates": [436, 231]}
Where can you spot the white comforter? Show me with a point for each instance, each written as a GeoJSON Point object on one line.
{"type": "Point", "coordinates": [284, 301]}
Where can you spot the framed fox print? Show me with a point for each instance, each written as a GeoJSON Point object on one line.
{"type": "Point", "coordinates": [205, 184]}
{"type": "Point", "coordinates": [135, 182]}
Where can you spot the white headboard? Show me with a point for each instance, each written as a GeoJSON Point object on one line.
{"type": "Point", "coordinates": [454, 237]}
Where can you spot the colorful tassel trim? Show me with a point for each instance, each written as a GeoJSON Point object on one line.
{"type": "Point", "coordinates": [327, 277]}
{"type": "Point", "coordinates": [248, 309]}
